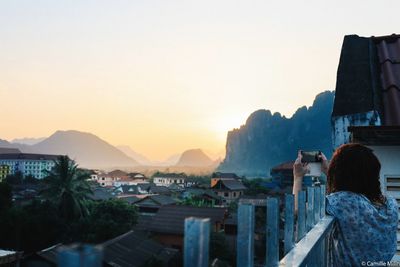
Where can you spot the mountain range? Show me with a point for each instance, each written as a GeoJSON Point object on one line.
{"type": "Point", "coordinates": [89, 151]}
{"type": "Point", "coordinates": [86, 149]}
{"type": "Point", "coordinates": [269, 139]}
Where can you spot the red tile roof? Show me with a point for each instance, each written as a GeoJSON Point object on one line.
{"type": "Point", "coordinates": [389, 60]}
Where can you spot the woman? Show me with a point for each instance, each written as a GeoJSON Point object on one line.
{"type": "Point", "coordinates": [366, 220]}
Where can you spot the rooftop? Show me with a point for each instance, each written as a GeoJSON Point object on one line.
{"type": "Point", "coordinates": [368, 77]}
{"type": "Point", "coordinates": [28, 156]}
{"type": "Point", "coordinates": [229, 184]}
{"type": "Point", "coordinates": [170, 219]}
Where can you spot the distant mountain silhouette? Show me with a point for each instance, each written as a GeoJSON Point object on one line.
{"type": "Point", "coordinates": [86, 149]}
{"type": "Point", "coordinates": [27, 140]}
{"type": "Point", "coordinates": [195, 158]}
{"type": "Point", "coordinates": [144, 161]}
{"type": "Point", "coordinates": [141, 159]}
{"type": "Point", "coordinates": [269, 139]}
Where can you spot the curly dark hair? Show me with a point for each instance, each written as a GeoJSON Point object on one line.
{"type": "Point", "coordinates": [355, 168]}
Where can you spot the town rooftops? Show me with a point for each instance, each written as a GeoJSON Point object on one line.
{"type": "Point", "coordinates": [170, 175]}
{"type": "Point", "coordinates": [134, 249]}
{"type": "Point", "coordinates": [286, 166]}
{"type": "Point", "coordinates": [6, 150]}
{"type": "Point", "coordinates": [229, 184]}
{"type": "Point", "coordinates": [28, 156]}
{"type": "Point", "coordinates": [368, 78]}
{"type": "Point", "coordinates": [170, 219]}
{"type": "Point", "coordinates": [156, 200]}
{"type": "Point", "coordinates": [225, 175]}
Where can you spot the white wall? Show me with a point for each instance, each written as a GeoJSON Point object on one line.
{"type": "Point", "coordinates": [389, 156]}
{"type": "Point", "coordinates": [341, 136]}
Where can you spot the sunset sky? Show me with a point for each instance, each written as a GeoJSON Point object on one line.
{"type": "Point", "coordinates": [166, 76]}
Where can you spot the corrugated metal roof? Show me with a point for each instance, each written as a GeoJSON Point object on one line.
{"type": "Point", "coordinates": [170, 219]}
{"type": "Point", "coordinates": [389, 60]}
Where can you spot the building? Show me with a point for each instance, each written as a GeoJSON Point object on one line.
{"type": "Point", "coordinates": [167, 225]}
{"type": "Point", "coordinates": [169, 178]}
{"type": "Point", "coordinates": [216, 176]}
{"type": "Point", "coordinates": [118, 178]}
{"type": "Point", "coordinates": [367, 102]}
{"type": "Point", "coordinates": [138, 178]}
{"type": "Point", "coordinates": [367, 87]}
{"type": "Point", "coordinates": [367, 99]}
{"type": "Point", "coordinates": [28, 164]}
{"type": "Point", "coordinates": [5, 170]}
{"type": "Point", "coordinates": [152, 203]}
{"type": "Point", "coordinates": [229, 190]}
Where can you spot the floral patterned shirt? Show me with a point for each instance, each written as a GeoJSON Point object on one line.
{"type": "Point", "coordinates": [363, 232]}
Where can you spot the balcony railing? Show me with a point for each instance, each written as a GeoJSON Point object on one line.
{"type": "Point", "coordinates": [305, 239]}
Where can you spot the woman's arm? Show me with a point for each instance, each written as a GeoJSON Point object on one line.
{"type": "Point", "coordinates": [299, 170]}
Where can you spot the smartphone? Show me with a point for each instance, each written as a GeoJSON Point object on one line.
{"type": "Point", "coordinates": [311, 156]}
{"type": "Point", "coordinates": [314, 162]}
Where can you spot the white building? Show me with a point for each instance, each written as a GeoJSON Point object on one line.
{"type": "Point", "coordinates": [117, 179]}
{"type": "Point", "coordinates": [29, 164]}
{"type": "Point", "coordinates": [168, 179]}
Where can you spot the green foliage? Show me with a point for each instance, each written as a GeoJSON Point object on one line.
{"type": "Point", "coordinates": [197, 202]}
{"type": "Point", "coordinates": [219, 248]}
{"type": "Point", "coordinates": [65, 215]}
{"type": "Point", "coordinates": [108, 219]}
{"type": "Point", "coordinates": [31, 227]}
{"type": "Point", "coordinates": [68, 187]}
{"type": "Point", "coordinates": [233, 206]}
{"type": "Point", "coordinates": [5, 196]}
{"type": "Point", "coordinates": [255, 187]}
{"type": "Point", "coordinates": [15, 179]}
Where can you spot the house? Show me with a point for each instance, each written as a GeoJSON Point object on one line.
{"type": "Point", "coordinates": [28, 164]}
{"type": "Point", "coordinates": [118, 178]}
{"type": "Point", "coordinates": [152, 203]}
{"type": "Point", "coordinates": [169, 179]}
{"type": "Point", "coordinates": [367, 102]}
{"type": "Point", "coordinates": [205, 196]}
{"type": "Point", "coordinates": [216, 176]}
{"type": "Point", "coordinates": [101, 193]}
{"type": "Point", "coordinates": [167, 226]}
{"type": "Point", "coordinates": [138, 178]}
{"type": "Point", "coordinates": [229, 190]}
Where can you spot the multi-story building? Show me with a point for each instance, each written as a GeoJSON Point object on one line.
{"type": "Point", "coordinates": [28, 164]}
{"type": "Point", "coordinates": [4, 171]}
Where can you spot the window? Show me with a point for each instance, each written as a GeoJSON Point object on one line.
{"type": "Point", "coordinates": [226, 194]}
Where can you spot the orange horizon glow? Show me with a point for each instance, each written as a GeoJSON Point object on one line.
{"type": "Point", "coordinates": [166, 76]}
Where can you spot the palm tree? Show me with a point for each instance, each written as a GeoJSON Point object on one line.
{"type": "Point", "coordinates": [67, 187]}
